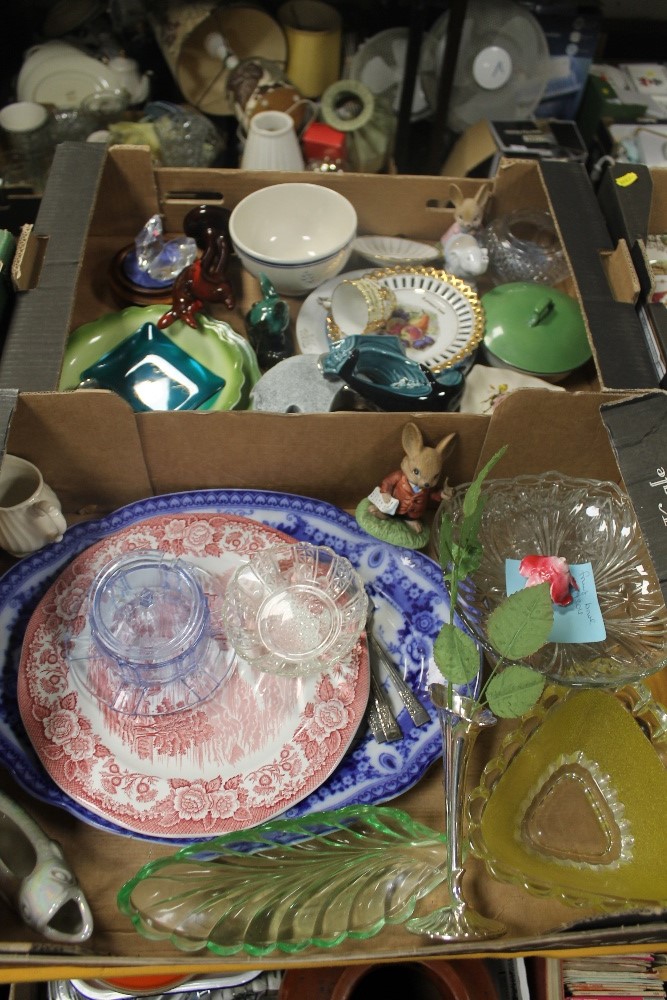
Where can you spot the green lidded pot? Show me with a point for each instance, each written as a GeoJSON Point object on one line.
{"type": "Point", "coordinates": [534, 329]}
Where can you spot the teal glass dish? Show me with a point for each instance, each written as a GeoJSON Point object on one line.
{"type": "Point", "coordinates": [289, 884]}
{"type": "Point", "coordinates": [214, 344]}
{"type": "Point", "coordinates": [151, 372]}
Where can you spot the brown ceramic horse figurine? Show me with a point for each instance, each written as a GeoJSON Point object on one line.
{"type": "Point", "coordinates": [205, 279]}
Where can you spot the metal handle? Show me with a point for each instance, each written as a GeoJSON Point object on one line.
{"type": "Point", "coordinates": [414, 707]}
{"type": "Point", "coordinates": [382, 706]}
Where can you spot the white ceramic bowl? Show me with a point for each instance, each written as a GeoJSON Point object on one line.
{"type": "Point", "coordinates": [295, 610]}
{"type": "Point", "coordinates": [298, 234]}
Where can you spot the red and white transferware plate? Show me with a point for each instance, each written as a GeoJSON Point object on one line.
{"type": "Point", "coordinates": [261, 744]}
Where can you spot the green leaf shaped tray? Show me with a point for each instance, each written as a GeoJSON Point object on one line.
{"type": "Point", "coordinates": [289, 884]}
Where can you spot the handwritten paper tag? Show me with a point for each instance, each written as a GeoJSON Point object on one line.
{"type": "Point", "coordinates": [580, 621]}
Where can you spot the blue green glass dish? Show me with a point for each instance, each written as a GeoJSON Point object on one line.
{"type": "Point", "coordinates": [378, 368]}
{"type": "Point", "coordinates": [214, 344]}
{"type": "Point", "coordinates": [151, 372]}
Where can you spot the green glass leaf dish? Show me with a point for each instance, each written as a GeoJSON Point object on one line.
{"type": "Point", "coordinates": [289, 884]}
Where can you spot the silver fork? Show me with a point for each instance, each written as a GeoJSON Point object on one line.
{"type": "Point", "coordinates": [414, 707]}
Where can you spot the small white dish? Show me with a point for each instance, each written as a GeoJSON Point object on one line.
{"type": "Point", "coordinates": [486, 386]}
{"type": "Point", "coordinates": [386, 250]}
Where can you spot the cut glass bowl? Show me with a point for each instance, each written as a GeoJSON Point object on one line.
{"type": "Point", "coordinates": [584, 521]}
{"type": "Point", "coordinates": [295, 609]}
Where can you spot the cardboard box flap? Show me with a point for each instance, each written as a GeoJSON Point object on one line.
{"type": "Point", "coordinates": [620, 273]}
{"type": "Point", "coordinates": [566, 436]}
{"type": "Point", "coordinates": [32, 354]}
{"type": "Point", "coordinates": [636, 429]}
{"type": "Point", "coordinates": [86, 444]}
{"type": "Point", "coordinates": [27, 262]}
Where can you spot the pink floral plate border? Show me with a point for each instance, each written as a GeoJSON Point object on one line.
{"type": "Point", "coordinates": [260, 745]}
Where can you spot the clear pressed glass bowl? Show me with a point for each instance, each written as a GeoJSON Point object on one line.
{"type": "Point", "coordinates": [524, 246]}
{"type": "Point", "coordinates": [584, 521]}
{"type": "Point", "coordinates": [149, 646]}
{"type": "Point", "coordinates": [295, 609]}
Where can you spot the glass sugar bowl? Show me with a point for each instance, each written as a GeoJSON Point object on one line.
{"type": "Point", "coordinates": [524, 246]}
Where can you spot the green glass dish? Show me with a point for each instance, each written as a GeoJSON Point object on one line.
{"type": "Point", "coordinates": [289, 884]}
{"type": "Point", "coordinates": [151, 372]}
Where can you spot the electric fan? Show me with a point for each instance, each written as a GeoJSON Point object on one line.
{"type": "Point", "coordinates": [502, 67]}
{"type": "Point", "coordinates": [379, 63]}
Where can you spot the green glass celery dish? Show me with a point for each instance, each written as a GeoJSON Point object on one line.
{"type": "Point", "coordinates": [289, 884]}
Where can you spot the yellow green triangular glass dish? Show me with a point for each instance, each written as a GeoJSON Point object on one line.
{"type": "Point", "coordinates": [575, 804]}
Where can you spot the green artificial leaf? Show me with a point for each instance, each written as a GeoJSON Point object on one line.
{"type": "Point", "coordinates": [289, 884]}
{"type": "Point", "coordinates": [521, 624]}
{"type": "Point", "coordinates": [456, 655]}
{"type": "Point", "coordinates": [473, 497]}
{"type": "Point", "coordinates": [462, 555]}
{"type": "Point", "coordinates": [513, 691]}
{"type": "Point", "coordinates": [446, 542]}
{"type": "Point", "coordinates": [468, 559]}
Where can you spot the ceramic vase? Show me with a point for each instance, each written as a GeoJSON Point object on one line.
{"type": "Point", "coordinates": [461, 720]}
{"type": "Point", "coordinates": [272, 143]}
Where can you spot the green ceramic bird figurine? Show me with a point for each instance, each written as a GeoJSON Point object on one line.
{"type": "Point", "coordinates": [267, 324]}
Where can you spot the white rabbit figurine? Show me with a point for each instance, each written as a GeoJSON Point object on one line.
{"type": "Point", "coordinates": [465, 257]}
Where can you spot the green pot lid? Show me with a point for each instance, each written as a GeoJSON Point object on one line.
{"type": "Point", "coordinates": [535, 328]}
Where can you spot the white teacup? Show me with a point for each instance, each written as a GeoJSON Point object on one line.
{"type": "Point", "coordinates": [30, 513]}
{"type": "Point", "coordinates": [361, 305]}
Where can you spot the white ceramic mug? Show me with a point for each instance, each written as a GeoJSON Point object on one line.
{"type": "Point", "coordinates": [361, 305]}
{"type": "Point", "coordinates": [30, 514]}
{"type": "Point", "coordinates": [27, 129]}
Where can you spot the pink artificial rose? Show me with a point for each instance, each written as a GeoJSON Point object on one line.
{"type": "Point", "coordinates": [553, 570]}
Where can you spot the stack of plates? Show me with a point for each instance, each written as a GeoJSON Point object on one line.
{"type": "Point", "coordinates": [62, 75]}
{"type": "Point", "coordinates": [261, 746]}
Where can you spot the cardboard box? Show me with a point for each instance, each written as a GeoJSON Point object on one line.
{"type": "Point", "coordinates": [478, 152]}
{"type": "Point", "coordinates": [96, 202]}
{"type": "Point", "coordinates": [98, 454]}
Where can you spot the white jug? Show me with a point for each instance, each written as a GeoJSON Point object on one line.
{"type": "Point", "coordinates": [30, 514]}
